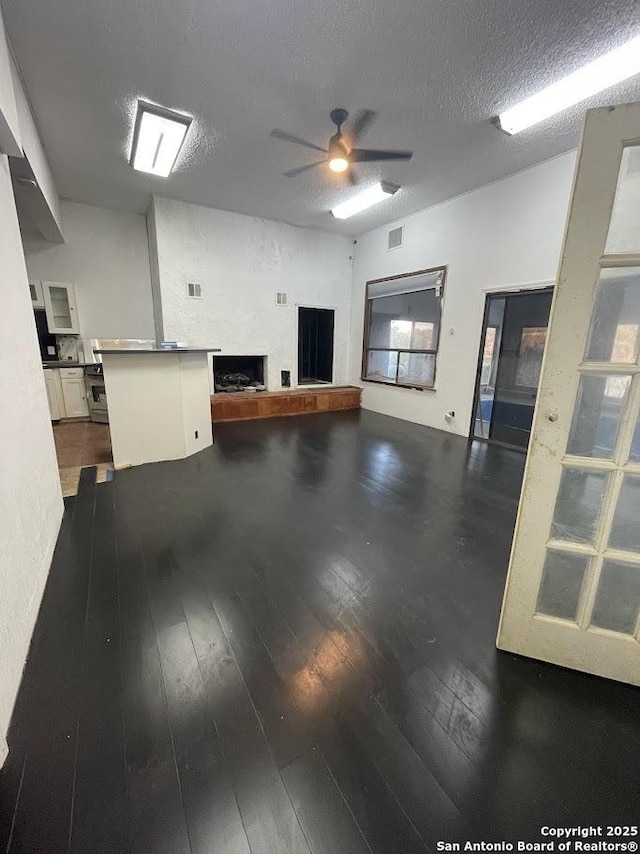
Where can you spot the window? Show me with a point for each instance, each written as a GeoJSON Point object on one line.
{"type": "Point", "coordinates": [402, 328]}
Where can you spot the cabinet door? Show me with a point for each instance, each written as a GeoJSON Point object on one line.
{"type": "Point", "coordinates": [75, 399]}
{"type": "Point", "coordinates": [52, 397]}
{"type": "Point", "coordinates": [60, 306]}
{"type": "Point", "coordinates": [35, 290]}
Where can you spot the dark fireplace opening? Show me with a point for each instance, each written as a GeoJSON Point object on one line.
{"type": "Point", "coordinates": [238, 373]}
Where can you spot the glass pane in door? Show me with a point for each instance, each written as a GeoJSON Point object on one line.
{"type": "Point", "coordinates": [561, 584]}
{"type": "Point", "coordinates": [492, 335]}
{"type": "Point", "coordinates": [578, 505]}
{"type": "Point", "coordinates": [524, 334]}
{"type": "Point", "coordinates": [488, 351]}
{"type": "Point", "coordinates": [625, 531]}
{"type": "Point", "coordinates": [614, 335]}
{"type": "Point", "coordinates": [634, 453]}
{"type": "Point", "coordinates": [618, 598]}
{"type": "Point", "coordinates": [624, 228]}
{"type": "Point", "coordinates": [596, 418]}
{"type": "Point", "coordinates": [530, 353]}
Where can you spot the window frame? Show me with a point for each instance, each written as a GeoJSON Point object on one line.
{"type": "Point", "coordinates": [366, 349]}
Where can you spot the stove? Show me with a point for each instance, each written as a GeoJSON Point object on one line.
{"type": "Point", "coordinates": [96, 393]}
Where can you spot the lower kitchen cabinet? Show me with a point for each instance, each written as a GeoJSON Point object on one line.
{"type": "Point", "coordinates": [73, 392]}
{"type": "Point", "coordinates": [66, 393]}
{"type": "Point", "coordinates": [54, 393]}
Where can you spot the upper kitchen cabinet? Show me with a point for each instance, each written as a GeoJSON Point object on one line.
{"type": "Point", "coordinates": [60, 306]}
{"type": "Point", "coordinates": [35, 289]}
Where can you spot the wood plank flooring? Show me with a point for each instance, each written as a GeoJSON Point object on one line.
{"type": "Point", "coordinates": [286, 644]}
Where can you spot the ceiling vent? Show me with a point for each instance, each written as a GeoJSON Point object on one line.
{"type": "Point", "coordinates": [281, 298]}
{"type": "Point", "coordinates": [194, 290]}
{"type": "Point", "coordinates": [395, 237]}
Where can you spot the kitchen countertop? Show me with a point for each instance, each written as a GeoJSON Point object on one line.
{"type": "Point", "coordinates": [66, 363]}
{"type": "Point", "coordinates": [158, 350]}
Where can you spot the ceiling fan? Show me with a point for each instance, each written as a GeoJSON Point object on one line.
{"type": "Point", "coordinates": [342, 153]}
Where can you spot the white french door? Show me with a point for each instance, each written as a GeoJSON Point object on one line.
{"type": "Point", "coordinates": [573, 590]}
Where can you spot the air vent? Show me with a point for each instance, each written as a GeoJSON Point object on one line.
{"type": "Point", "coordinates": [194, 290]}
{"type": "Point", "coordinates": [395, 237]}
{"type": "Point", "coordinates": [281, 298]}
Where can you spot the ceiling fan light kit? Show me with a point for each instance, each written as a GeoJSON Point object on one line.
{"type": "Point", "coordinates": [341, 152]}
{"type": "Point", "coordinates": [338, 164]}
{"type": "Point", "coordinates": [338, 154]}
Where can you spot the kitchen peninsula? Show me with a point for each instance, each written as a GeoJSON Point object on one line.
{"type": "Point", "coordinates": [159, 404]}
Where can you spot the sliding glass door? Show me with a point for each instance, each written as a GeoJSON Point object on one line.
{"type": "Point", "coordinates": [513, 340]}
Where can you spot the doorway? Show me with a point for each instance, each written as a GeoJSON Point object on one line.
{"type": "Point", "coordinates": [76, 395]}
{"type": "Point", "coordinates": [514, 334]}
{"type": "Point", "coordinates": [315, 345]}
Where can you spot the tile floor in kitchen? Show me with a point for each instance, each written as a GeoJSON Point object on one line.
{"type": "Point", "coordinates": [80, 444]}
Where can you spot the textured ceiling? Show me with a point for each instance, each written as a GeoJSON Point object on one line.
{"type": "Point", "coordinates": [435, 70]}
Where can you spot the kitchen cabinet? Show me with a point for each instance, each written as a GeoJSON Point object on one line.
{"type": "Point", "coordinates": [66, 393]}
{"type": "Point", "coordinates": [53, 385]}
{"type": "Point", "coordinates": [73, 393]}
{"type": "Point", "coordinates": [60, 306]}
{"type": "Point", "coordinates": [37, 297]}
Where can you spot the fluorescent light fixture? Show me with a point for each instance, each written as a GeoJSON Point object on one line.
{"type": "Point", "coordinates": [602, 73]}
{"type": "Point", "coordinates": [158, 135]}
{"type": "Point", "coordinates": [365, 200]}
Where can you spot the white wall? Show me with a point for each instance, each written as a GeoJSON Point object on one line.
{"type": "Point", "coordinates": [30, 498]}
{"type": "Point", "coordinates": [506, 234]}
{"type": "Point", "coordinates": [241, 262]}
{"type": "Point", "coordinates": [106, 257]}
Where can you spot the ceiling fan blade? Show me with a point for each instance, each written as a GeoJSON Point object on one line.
{"type": "Point", "coordinates": [359, 126]}
{"type": "Point", "coordinates": [351, 177]}
{"type": "Point", "coordinates": [289, 137]}
{"type": "Point", "coordinates": [370, 155]}
{"type": "Point", "coordinates": [291, 173]}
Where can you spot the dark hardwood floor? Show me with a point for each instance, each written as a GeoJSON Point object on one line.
{"type": "Point", "coordinates": [286, 644]}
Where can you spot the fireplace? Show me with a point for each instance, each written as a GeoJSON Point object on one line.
{"type": "Point", "coordinates": [239, 373]}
